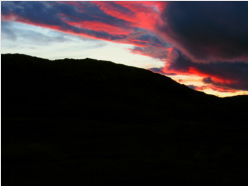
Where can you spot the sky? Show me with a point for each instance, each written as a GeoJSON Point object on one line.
{"type": "Point", "coordinates": [203, 45]}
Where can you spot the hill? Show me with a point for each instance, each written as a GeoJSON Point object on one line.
{"type": "Point", "coordinates": [90, 122]}
{"type": "Point", "coordinates": [70, 86]}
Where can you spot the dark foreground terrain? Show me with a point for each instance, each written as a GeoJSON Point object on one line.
{"type": "Point", "coordinates": [88, 122]}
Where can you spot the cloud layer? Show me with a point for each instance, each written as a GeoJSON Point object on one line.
{"type": "Point", "coordinates": [207, 39]}
{"type": "Point", "coordinates": [110, 21]}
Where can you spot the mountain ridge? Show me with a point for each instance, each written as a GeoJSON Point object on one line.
{"type": "Point", "coordinates": [78, 76]}
{"type": "Point", "coordinates": [90, 122]}
{"type": "Point", "coordinates": [62, 81]}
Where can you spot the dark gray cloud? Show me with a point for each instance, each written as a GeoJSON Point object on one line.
{"type": "Point", "coordinates": [208, 31]}
{"type": "Point", "coordinates": [192, 87]}
{"type": "Point", "coordinates": [153, 40]}
{"type": "Point", "coordinates": [7, 32]}
{"type": "Point", "coordinates": [153, 47]}
{"type": "Point", "coordinates": [160, 71]}
{"type": "Point", "coordinates": [11, 31]}
{"type": "Point", "coordinates": [151, 51]}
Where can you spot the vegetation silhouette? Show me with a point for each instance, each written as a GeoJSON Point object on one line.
{"type": "Point", "coordinates": [91, 122]}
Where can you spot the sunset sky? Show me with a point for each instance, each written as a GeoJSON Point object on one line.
{"type": "Point", "coordinates": [203, 45]}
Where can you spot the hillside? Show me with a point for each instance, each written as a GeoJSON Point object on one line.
{"type": "Point", "coordinates": [70, 86]}
{"type": "Point", "coordinates": [90, 122]}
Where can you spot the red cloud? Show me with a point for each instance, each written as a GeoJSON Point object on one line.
{"type": "Point", "coordinates": [116, 23]}
{"type": "Point", "coordinates": [216, 79]}
{"type": "Point", "coordinates": [53, 27]}
{"type": "Point", "coordinates": [228, 77]}
{"type": "Point", "coordinates": [215, 88]}
{"type": "Point", "coordinates": [139, 14]}
{"type": "Point", "coordinates": [89, 25]}
{"type": "Point", "coordinates": [109, 9]}
{"type": "Point", "coordinates": [100, 27]}
{"type": "Point", "coordinates": [137, 40]}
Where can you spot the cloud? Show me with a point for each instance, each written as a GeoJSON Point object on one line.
{"type": "Point", "coordinates": [212, 87]}
{"type": "Point", "coordinates": [207, 31]}
{"type": "Point", "coordinates": [223, 75]}
{"type": "Point", "coordinates": [160, 71]}
{"type": "Point", "coordinates": [145, 14]}
{"type": "Point", "coordinates": [192, 87]}
{"type": "Point", "coordinates": [7, 31]}
{"type": "Point", "coordinates": [12, 31]}
{"type": "Point", "coordinates": [208, 39]}
{"type": "Point", "coordinates": [109, 21]}
{"type": "Point", "coordinates": [57, 16]}
{"type": "Point", "coordinates": [115, 10]}
{"type": "Point", "coordinates": [154, 47]}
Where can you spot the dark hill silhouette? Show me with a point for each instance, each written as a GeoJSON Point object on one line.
{"type": "Point", "coordinates": [90, 122]}
{"type": "Point", "coordinates": [69, 86]}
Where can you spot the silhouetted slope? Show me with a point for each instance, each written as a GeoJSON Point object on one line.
{"type": "Point", "coordinates": [74, 87]}
{"type": "Point", "coordinates": [89, 122]}
{"type": "Point", "coordinates": [90, 88]}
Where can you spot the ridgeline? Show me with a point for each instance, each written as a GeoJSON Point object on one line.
{"type": "Point", "coordinates": [90, 122]}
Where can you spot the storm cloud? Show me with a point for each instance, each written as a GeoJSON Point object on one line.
{"type": "Point", "coordinates": [207, 31]}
